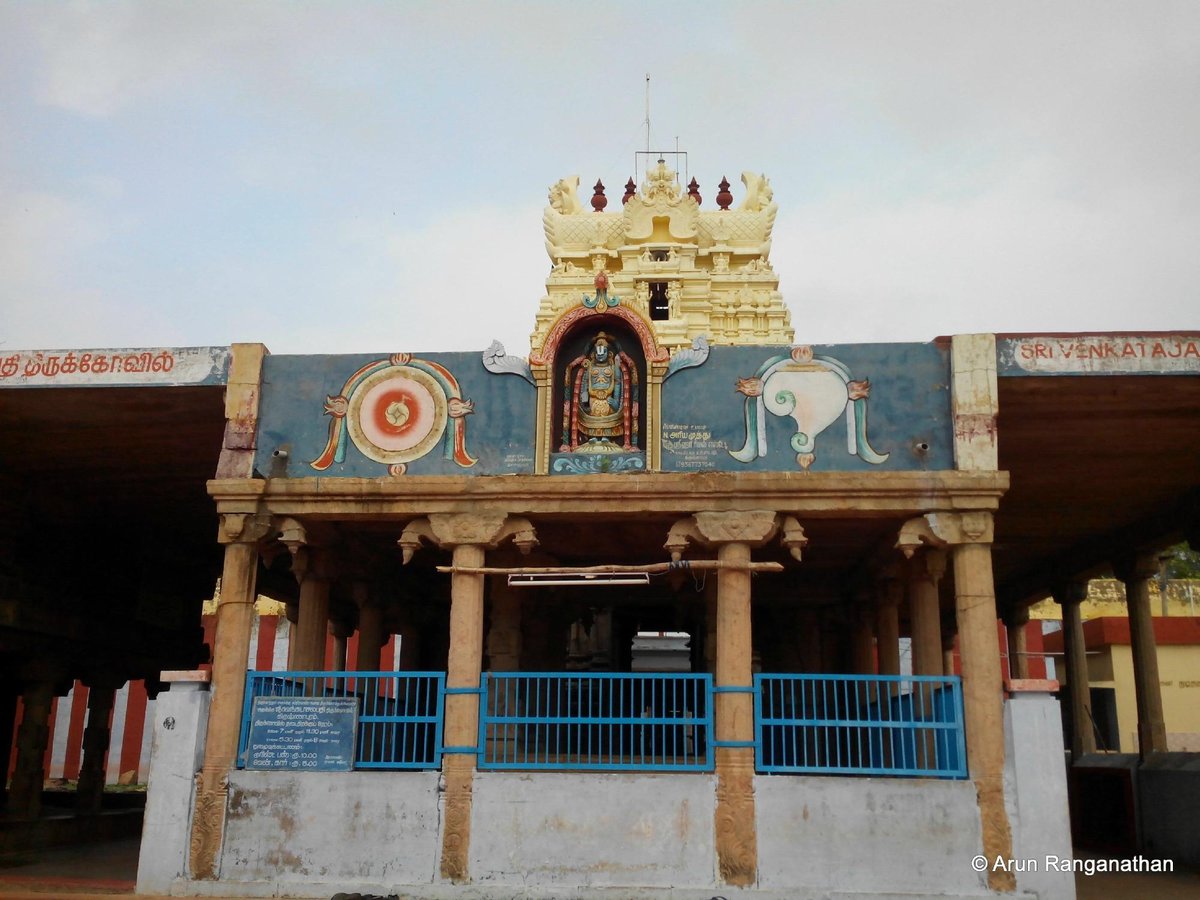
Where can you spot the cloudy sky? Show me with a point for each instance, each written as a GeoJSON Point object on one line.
{"type": "Point", "coordinates": [370, 176]}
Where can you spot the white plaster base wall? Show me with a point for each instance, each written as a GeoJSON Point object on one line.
{"type": "Point", "coordinates": [179, 727]}
{"type": "Point", "coordinates": [1036, 793]}
{"type": "Point", "coordinates": [831, 836]}
{"type": "Point", "coordinates": [352, 831]}
{"type": "Point", "coordinates": [593, 830]}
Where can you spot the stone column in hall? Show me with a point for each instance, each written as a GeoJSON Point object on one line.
{"type": "Point", "coordinates": [467, 535]}
{"type": "Point", "coordinates": [808, 638]}
{"type": "Point", "coordinates": [887, 626]}
{"type": "Point", "coordinates": [1136, 572]}
{"type": "Point", "coordinates": [925, 570]}
{"type": "Point", "coordinates": [312, 567]}
{"type": "Point", "coordinates": [862, 638]}
{"type": "Point", "coordinates": [1083, 737]}
{"type": "Point", "coordinates": [969, 535]}
{"type": "Point", "coordinates": [370, 629]}
{"type": "Point", "coordinates": [240, 533]}
{"type": "Point", "coordinates": [29, 776]}
{"type": "Point", "coordinates": [504, 655]}
{"type": "Point", "coordinates": [949, 636]}
{"type": "Point", "coordinates": [89, 792]}
{"type": "Point", "coordinates": [9, 692]}
{"type": "Point", "coordinates": [734, 534]}
{"type": "Point", "coordinates": [340, 629]}
{"type": "Point", "coordinates": [1016, 618]}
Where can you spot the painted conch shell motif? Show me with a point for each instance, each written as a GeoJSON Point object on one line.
{"type": "Point", "coordinates": [395, 410]}
{"type": "Point", "coordinates": [812, 390]}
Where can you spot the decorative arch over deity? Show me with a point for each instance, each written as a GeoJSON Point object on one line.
{"type": "Point", "coordinates": [601, 404]}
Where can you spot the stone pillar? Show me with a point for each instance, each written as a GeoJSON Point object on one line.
{"type": "Point", "coordinates": [468, 535]}
{"type": "Point", "coordinates": [710, 624]}
{"type": "Point", "coordinates": [308, 640]}
{"type": "Point", "coordinates": [463, 668]}
{"type": "Point", "coordinates": [89, 792]}
{"type": "Point", "coordinates": [1136, 572]}
{"type": "Point", "coordinates": [808, 638]}
{"type": "Point", "coordinates": [340, 629]}
{"type": "Point", "coordinates": [949, 635]}
{"type": "Point", "coordinates": [370, 630]}
{"type": "Point", "coordinates": [863, 639]}
{"type": "Point", "coordinates": [887, 625]}
{"type": "Point", "coordinates": [925, 570]}
{"type": "Point", "coordinates": [979, 652]}
{"type": "Point", "coordinates": [504, 655]}
{"type": "Point", "coordinates": [737, 840]}
{"type": "Point", "coordinates": [9, 692]}
{"type": "Point", "coordinates": [235, 615]}
{"type": "Point", "coordinates": [734, 534]}
{"type": "Point", "coordinates": [504, 637]}
{"type": "Point", "coordinates": [834, 653]}
{"type": "Point", "coordinates": [292, 615]}
{"type": "Point", "coordinates": [29, 777]}
{"type": "Point", "coordinates": [969, 534]}
{"type": "Point", "coordinates": [1083, 736]}
{"type": "Point", "coordinates": [1015, 620]}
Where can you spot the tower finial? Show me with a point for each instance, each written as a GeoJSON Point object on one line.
{"type": "Point", "coordinates": [647, 112]}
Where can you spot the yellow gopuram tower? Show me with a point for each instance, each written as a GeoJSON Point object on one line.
{"type": "Point", "coordinates": [691, 273]}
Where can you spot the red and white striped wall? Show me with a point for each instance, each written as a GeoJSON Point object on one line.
{"type": "Point", "coordinates": [132, 717]}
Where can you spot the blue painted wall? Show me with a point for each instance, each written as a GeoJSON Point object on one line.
{"type": "Point", "coordinates": [704, 417]}
{"type": "Point", "coordinates": [499, 432]}
{"type": "Point", "coordinates": [909, 403]}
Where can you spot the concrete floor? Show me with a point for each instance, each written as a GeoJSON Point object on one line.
{"type": "Point", "coordinates": [104, 870]}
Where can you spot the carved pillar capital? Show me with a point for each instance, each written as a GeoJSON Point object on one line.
{"type": "Point", "coordinates": [753, 527]}
{"type": "Point", "coordinates": [1070, 592]}
{"type": "Point", "coordinates": [928, 565]}
{"type": "Point", "coordinates": [943, 529]}
{"type": "Point", "coordinates": [449, 530]}
{"type": "Point", "coordinates": [1016, 616]}
{"type": "Point", "coordinates": [341, 627]}
{"type": "Point", "coordinates": [1136, 566]}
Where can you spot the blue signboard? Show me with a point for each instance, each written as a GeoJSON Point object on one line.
{"type": "Point", "coordinates": [314, 734]}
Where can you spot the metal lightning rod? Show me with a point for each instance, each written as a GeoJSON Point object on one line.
{"type": "Point", "coordinates": [647, 112]}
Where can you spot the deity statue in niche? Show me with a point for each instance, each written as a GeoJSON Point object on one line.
{"type": "Point", "coordinates": [600, 402]}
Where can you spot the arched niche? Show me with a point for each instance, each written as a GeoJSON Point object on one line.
{"type": "Point", "coordinates": [557, 368]}
{"type": "Point", "coordinates": [599, 361]}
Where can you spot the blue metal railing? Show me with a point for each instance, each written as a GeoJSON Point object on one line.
{"type": "Point", "coordinates": [399, 713]}
{"type": "Point", "coordinates": [860, 724]}
{"type": "Point", "coordinates": [836, 724]}
{"type": "Point", "coordinates": [596, 720]}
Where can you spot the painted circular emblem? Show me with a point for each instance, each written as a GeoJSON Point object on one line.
{"type": "Point", "coordinates": [397, 415]}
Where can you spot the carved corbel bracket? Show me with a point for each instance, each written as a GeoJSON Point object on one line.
{"type": "Point", "coordinates": [294, 536]}
{"type": "Point", "coordinates": [414, 533]}
{"type": "Point", "coordinates": [943, 529]}
{"type": "Point", "coordinates": [793, 537]}
{"type": "Point", "coordinates": [682, 533]}
{"type": "Point", "coordinates": [248, 528]}
{"type": "Point", "coordinates": [310, 558]}
{"type": "Point", "coordinates": [450, 530]}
